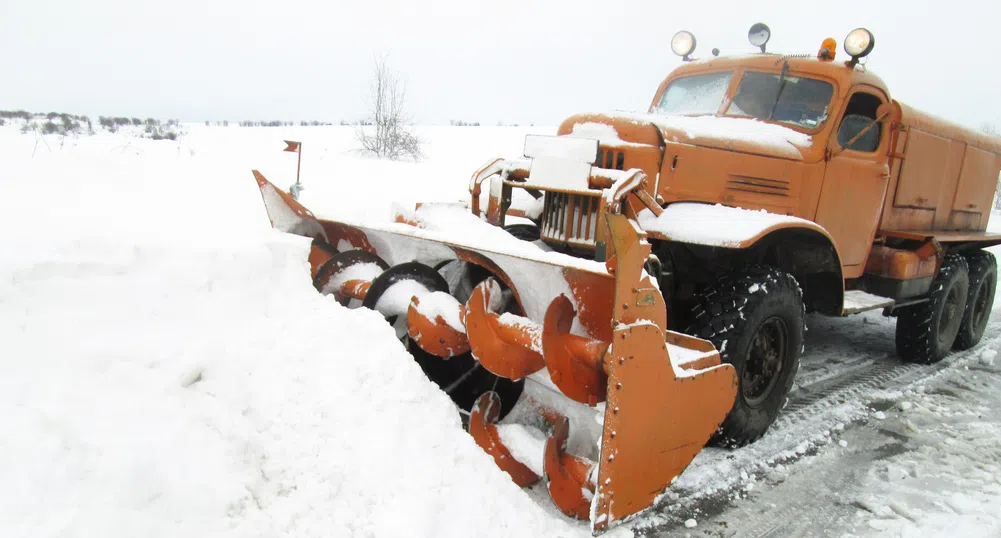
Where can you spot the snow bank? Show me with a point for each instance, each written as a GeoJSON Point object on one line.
{"type": "Point", "coordinates": [168, 369]}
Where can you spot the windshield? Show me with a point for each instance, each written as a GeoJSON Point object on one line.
{"type": "Point", "coordinates": [798, 101]}
{"type": "Point", "coordinates": [694, 95]}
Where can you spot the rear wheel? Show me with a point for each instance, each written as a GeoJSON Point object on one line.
{"type": "Point", "coordinates": [754, 318]}
{"type": "Point", "coordinates": [926, 331]}
{"type": "Point", "coordinates": [980, 299]}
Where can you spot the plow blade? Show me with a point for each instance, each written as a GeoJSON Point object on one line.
{"type": "Point", "coordinates": [563, 368]}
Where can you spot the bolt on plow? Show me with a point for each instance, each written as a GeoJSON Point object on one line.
{"type": "Point", "coordinates": [562, 368]}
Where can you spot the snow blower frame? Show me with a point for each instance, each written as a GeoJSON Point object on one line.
{"type": "Point", "coordinates": [481, 311]}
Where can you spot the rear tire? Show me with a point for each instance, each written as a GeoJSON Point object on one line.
{"type": "Point", "coordinates": [980, 299]}
{"type": "Point", "coordinates": [926, 331]}
{"type": "Point", "coordinates": [754, 318]}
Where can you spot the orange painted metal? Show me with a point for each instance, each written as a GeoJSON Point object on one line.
{"type": "Point", "coordinates": [638, 462]}
{"type": "Point", "coordinates": [636, 296]}
{"type": "Point", "coordinates": [574, 362]}
{"type": "Point", "coordinates": [566, 474]}
{"type": "Point", "coordinates": [319, 254]}
{"type": "Point", "coordinates": [708, 357]}
{"type": "Point", "coordinates": [904, 264]}
{"type": "Point", "coordinates": [505, 349]}
{"type": "Point", "coordinates": [483, 431]}
{"type": "Point", "coordinates": [436, 336]}
{"type": "Point", "coordinates": [594, 297]}
{"type": "Point", "coordinates": [655, 421]}
{"type": "Point", "coordinates": [355, 289]}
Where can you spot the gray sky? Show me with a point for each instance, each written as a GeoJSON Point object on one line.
{"type": "Point", "coordinates": [512, 60]}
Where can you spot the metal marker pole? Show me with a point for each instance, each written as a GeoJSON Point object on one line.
{"type": "Point", "coordinates": [298, 164]}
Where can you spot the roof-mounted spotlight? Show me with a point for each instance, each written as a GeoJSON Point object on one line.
{"type": "Point", "coordinates": [683, 44]}
{"type": "Point", "coordinates": [759, 34]}
{"type": "Point", "coordinates": [858, 44]}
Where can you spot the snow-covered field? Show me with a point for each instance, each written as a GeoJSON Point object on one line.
{"type": "Point", "coordinates": [168, 369]}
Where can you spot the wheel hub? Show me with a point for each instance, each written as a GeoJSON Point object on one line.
{"type": "Point", "coordinates": [764, 361]}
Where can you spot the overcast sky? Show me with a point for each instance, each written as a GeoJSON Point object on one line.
{"type": "Point", "coordinates": [512, 60]}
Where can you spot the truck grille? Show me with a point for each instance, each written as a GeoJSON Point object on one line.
{"type": "Point", "coordinates": [611, 159]}
{"type": "Point", "coordinates": [570, 219]}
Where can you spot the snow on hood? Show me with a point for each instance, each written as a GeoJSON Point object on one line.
{"type": "Point", "coordinates": [737, 134]}
{"type": "Point", "coordinates": [605, 134]}
{"type": "Point", "coordinates": [712, 225]}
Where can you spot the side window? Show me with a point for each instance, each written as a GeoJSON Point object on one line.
{"type": "Point", "coordinates": [860, 113]}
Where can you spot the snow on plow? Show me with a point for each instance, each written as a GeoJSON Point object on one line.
{"type": "Point", "coordinates": [562, 368]}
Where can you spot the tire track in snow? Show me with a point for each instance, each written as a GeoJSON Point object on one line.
{"type": "Point", "coordinates": [826, 400]}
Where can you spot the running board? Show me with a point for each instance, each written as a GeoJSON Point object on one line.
{"type": "Point", "coordinates": [859, 301]}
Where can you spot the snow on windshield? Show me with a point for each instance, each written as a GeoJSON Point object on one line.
{"type": "Point", "coordinates": [697, 94]}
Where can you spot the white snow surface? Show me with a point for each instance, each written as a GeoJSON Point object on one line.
{"type": "Point", "coordinates": [526, 444]}
{"type": "Point", "coordinates": [605, 134]}
{"type": "Point", "coordinates": [168, 369]}
{"type": "Point", "coordinates": [774, 138]}
{"type": "Point", "coordinates": [713, 225]}
{"type": "Point", "coordinates": [440, 304]}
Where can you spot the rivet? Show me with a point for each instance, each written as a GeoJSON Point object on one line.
{"type": "Point", "coordinates": [618, 386]}
{"type": "Point", "coordinates": [615, 411]}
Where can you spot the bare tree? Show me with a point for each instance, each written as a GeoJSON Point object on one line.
{"type": "Point", "coordinates": [990, 129]}
{"type": "Point", "coordinates": [388, 133]}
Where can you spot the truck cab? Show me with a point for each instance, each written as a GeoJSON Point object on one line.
{"type": "Point", "coordinates": [770, 185]}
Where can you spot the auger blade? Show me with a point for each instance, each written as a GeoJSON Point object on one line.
{"type": "Point", "coordinates": [599, 330]}
{"type": "Point", "coordinates": [481, 427]}
{"type": "Point", "coordinates": [436, 322]}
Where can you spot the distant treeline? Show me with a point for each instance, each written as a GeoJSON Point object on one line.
{"type": "Point", "coordinates": [60, 123]}
{"type": "Point", "coordinates": [278, 123]}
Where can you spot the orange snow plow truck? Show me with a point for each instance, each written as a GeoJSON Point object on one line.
{"type": "Point", "coordinates": [635, 287]}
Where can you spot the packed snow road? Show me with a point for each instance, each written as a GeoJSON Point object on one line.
{"type": "Point", "coordinates": [167, 370]}
{"type": "Point", "coordinates": [867, 445]}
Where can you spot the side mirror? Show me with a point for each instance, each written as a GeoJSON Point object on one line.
{"type": "Point", "coordinates": [889, 112]}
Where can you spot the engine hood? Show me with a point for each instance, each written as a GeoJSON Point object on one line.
{"type": "Point", "coordinates": [742, 135]}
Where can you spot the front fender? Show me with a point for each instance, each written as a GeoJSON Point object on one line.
{"type": "Point", "coordinates": [808, 250]}
{"type": "Point", "coordinates": [719, 225]}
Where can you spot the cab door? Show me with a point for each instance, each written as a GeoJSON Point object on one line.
{"type": "Point", "coordinates": [855, 179]}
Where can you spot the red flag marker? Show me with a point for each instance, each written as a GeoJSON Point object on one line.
{"type": "Point", "coordinates": [295, 147]}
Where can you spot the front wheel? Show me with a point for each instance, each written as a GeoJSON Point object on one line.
{"type": "Point", "coordinates": [754, 318]}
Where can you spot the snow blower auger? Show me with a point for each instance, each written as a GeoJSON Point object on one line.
{"type": "Point", "coordinates": [562, 367]}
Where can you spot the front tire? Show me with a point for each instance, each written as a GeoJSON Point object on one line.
{"type": "Point", "coordinates": [926, 331]}
{"type": "Point", "coordinates": [755, 319]}
{"type": "Point", "coordinates": [980, 299]}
